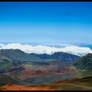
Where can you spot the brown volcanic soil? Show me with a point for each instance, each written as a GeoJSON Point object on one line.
{"type": "Point", "coordinates": [13, 87]}
{"type": "Point", "coordinates": [73, 84]}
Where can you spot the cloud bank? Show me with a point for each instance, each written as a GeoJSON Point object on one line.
{"type": "Point", "coordinates": [42, 49]}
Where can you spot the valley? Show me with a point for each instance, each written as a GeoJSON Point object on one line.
{"type": "Point", "coordinates": [47, 71]}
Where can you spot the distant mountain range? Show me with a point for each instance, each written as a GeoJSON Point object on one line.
{"type": "Point", "coordinates": [18, 55]}
{"type": "Point", "coordinates": [60, 56]}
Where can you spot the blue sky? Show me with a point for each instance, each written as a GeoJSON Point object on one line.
{"type": "Point", "coordinates": [51, 22]}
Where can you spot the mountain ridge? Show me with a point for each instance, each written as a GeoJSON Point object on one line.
{"type": "Point", "coordinates": [16, 54]}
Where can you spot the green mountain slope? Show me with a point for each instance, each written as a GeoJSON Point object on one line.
{"type": "Point", "coordinates": [84, 65]}
{"type": "Point", "coordinates": [4, 63]}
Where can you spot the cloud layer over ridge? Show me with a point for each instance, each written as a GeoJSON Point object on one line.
{"type": "Point", "coordinates": [41, 49]}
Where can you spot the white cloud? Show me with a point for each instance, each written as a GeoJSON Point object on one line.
{"type": "Point", "coordinates": [40, 49]}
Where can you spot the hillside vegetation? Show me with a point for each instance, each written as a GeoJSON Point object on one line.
{"type": "Point", "coordinates": [84, 65]}
{"type": "Point", "coordinates": [4, 62]}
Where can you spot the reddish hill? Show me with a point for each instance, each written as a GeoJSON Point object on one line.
{"type": "Point", "coordinates": [66, 70]}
